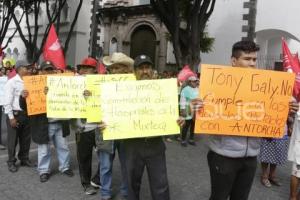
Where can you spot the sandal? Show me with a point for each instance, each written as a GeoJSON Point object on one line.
{"type": "Point", "coordinates": [275, 181]}
{"type": "Point", "coordinates": [265, 182]}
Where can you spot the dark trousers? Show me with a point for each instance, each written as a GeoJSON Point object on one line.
{"type": "Point", "coordinates": [85, 143]}
{"type": "Point", "coordinates": [189, 125]}
{"type": "Point", "coordinates": [230, 177]}
{"type": "Point", "coordinates": [121, 153]}
{"type": "Point", "coordinates": [1, 107]}
{"type": "Point", "coordinates": [149, 153]}
{"type": "Point", "coordinates": [20, 135]}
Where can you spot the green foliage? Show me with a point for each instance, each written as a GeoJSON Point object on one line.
{"type": "Point", "coordinates": [206, 43]}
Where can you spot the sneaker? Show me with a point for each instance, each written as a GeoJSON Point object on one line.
{"type": "Point", "coordinates": [68, 173]}
{"type": "Point", "coordinates": [12, 168]}
{"type": "Point", "coordinates": [169, 140]}
{"type": "Point", "coordinates": [90, 190]}
{"type": "Point", "coordinates": [44, 177]}
{"type": "Point", "coordinates": [95, 184]}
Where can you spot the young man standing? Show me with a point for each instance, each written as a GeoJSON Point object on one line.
{"type": "Point", "coordinates": [45, 130]}
{"type": "Point", "coordinates": [17, 119]}
{"type": "Point", "coordinates": [232, 159]}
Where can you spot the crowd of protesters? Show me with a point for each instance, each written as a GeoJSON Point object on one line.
{"type": "Point", "coordinates": [232, 160]}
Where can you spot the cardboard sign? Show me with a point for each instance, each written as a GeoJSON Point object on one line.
{"type": "Point", "coordinates": [244, 101]}
{"type": "Point", "coordinates": [93, 84]}
{"type": "Point", "coordinates": [36, 100]}
{"type": "Point", "coordinates": [133, 109]}
{"type": "Point", "coordinates": [3, 80]}
{"type": "Point", "coordinates": [65, 97]}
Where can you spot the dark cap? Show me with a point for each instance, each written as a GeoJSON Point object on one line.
{"type": "Point", "coordinates": [141, 59]}
{"type": "Point", "coordinates": [22, 63]}
{"type": "Point", "coordinates": [47, 65]}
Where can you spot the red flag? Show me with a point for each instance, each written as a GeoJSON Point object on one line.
{"type": "Point", "coordinates": [296, 59]}
{"type": "Point", "coordinates": [185, 73]}
{"type": "Point", "coordinates": [292, 64]}
{"type": "Point", "coordinates": [52, 50]}
{"type": "Point", "coordinates": [101, 68]}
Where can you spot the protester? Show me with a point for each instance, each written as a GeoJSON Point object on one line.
{"type": "Point", "coordinates": [45, 131]}
{"type": "Point", "coordinates": [146, 152]}
{"type": "Point", "coordinates": [188, 93]}
{"type": "Point", "coordinates": [117, 63]}
{"type": "Point", "coordinates": [17, 119]}
{"type": "Point", "coordinates": [232, 160]}
{"type": "Point", "coordinates": [85, 136]}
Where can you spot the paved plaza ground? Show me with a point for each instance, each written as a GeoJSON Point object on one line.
{"type": "Point", "coordinates": [187, 171]}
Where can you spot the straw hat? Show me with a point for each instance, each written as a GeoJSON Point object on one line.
{"type": "Point", "coordinates": [118, 58]}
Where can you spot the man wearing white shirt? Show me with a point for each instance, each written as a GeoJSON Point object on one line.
{"type": "Point", "coordinates": [17, 119]}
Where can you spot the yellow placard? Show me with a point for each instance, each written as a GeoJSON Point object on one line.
{"type": "Point", "coordinates": [134, 109]}
{"type": "Point", "coordinates": [65, 97]}
{"type": "Point", "coordinates": [36, 100]}
{"type": "Point", "coordinates": [244, 101]}
{"type": "Point", "coordinates": [93, 84]}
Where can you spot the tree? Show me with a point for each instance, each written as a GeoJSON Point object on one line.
{"type": "Point", "coordinates": [30, 33]}
{"type": "Point", "coordinates": [186, 21]}
{"type": "Point", "coordinates": [7, 8]}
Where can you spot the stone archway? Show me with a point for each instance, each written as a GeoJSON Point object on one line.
{"type": "Point", "coordinates": [143, 41]}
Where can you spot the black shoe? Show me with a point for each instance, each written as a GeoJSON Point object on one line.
{"type": "Point", "coordinates": [68, 173]}
{"type": "Point", "coordinates": [12, 168]}
{"type": "Point", "coordinates": [192, 142]}
{"type": "Point", "coordinates": [90, 190]}
{"type": "Point", "coordinates": [95, 182]}
{"type": "Point", "coordinates": [44, 177]}
{"type": "Point", "coordinates": [27, 163]}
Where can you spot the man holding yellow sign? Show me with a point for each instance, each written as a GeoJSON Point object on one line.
{"type": "Point", "coordinates": [146, 151]}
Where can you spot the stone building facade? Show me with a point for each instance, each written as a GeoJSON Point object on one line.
{"type": "Point", "coordinates": [134, 30]}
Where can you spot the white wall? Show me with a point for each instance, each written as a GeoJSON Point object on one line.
{"type": "Point", "coordinates": [278, 14]}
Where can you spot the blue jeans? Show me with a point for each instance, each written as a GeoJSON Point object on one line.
{"type": "Point", "coordinates": [106, 165]}
{"type": "Point", "coordinates": [62, 150]}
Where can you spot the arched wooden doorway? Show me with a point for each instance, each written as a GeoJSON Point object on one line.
{"type": "Point", "coordinates": [143, 41]}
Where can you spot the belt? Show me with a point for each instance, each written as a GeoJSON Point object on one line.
{"type": "Point", "coordinates": [17, 112]}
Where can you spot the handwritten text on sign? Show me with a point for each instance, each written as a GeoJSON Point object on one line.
{"type": "Point", "coordinates": [93, 84]}
{"type": "Point", "coordinates": [65, 97]}
{"type": "Point", "coordinates": [244, 101]}
{"type": "Point", "coordinates": [133, 109]}
{"type": "Point", "coordinates": [3, 81]}
{"type": "Point", "coordinates": [36, 100]}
